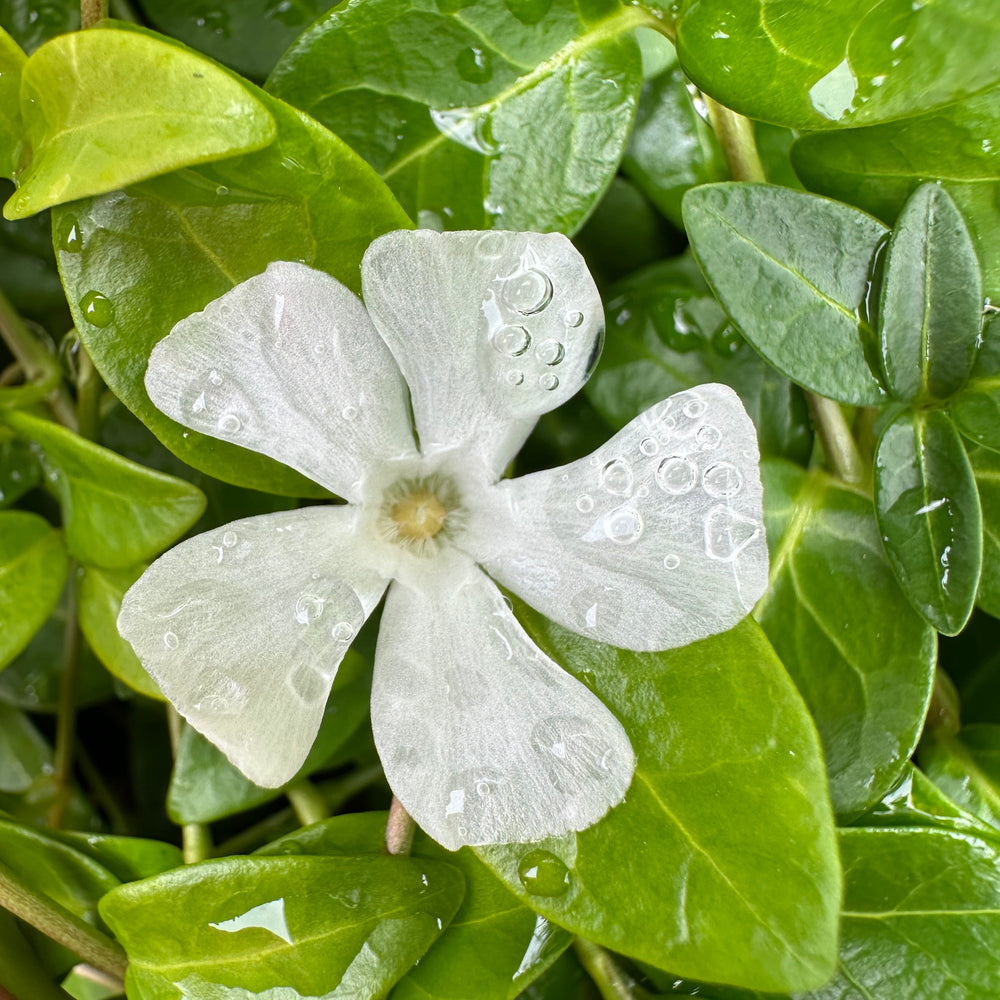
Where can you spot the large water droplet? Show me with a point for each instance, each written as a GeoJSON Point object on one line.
{"type": "Point", "coordinates": [98, 309]}
{"type": "Point", "coordinates": [543, 874]}
{"type": "Point", "coordinates": [474, 65]}
{"type": "Point", "coordinates": [728, 533]}
{"type": "Point", "coordinates": [623, 526]}
{"type": "Point", "coordinates": [616, 477]}
{"type": "Point", "coordinates": [550, 352]}
{"type": "Point", "coordinates": [511, 340]}
{"type": "Point", "coordinates": [676, 475]}
{"type": "Point", "coordinates": [528, 291]}
{"type": "Point", "coordinates": [722, 480]}
{"type": "Point", "coordinates": [229, 423]}
{"type": "Point", "coordinates": [69, 239]}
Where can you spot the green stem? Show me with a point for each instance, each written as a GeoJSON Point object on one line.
{"type": "Point", "coordinates": [308, 802]}
{"type": "Point", "coordinates": [735, 135]}
{"type": "Point", "coordinates": [943, 718]}
{"type": "Point", "coordinates": [92, 11]}
{"type": "Point", "coordinates": [88, 396]}
{"type": "Point", "coordinates": [66, 715]}
{"type": "Point", "coordinates": [399, 829]}
{"type": "Point", "coordinates": [196, 840]}
{"type": "Point", "coordinates": [839, 446]}
{"type": "Point", "coordinates": [611, 982]}
{"type": "Point", "coordinates": [61, 925]}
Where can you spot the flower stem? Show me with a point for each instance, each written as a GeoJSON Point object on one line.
{"type": "Point", "coordinates": [61, 925]}
{"type": "Point", "coordinates": [735, 135]}
{"type": "Point", "coordinates": [611, 981]}
{"type": "Point", "coordinates": [308, 802]}
{"type": "Point", "coordinates": [88, 396]}
{"type": "Point", "coordinates": [839, 446]}
{"type": "Point", "coordinates": [92, 11]}
{"type": "Point", "coordinates": [399, 830]}
{"type": "Point", "coordinates": [66, 714]}
{"type": "Point", "coordinates": [196, 840]}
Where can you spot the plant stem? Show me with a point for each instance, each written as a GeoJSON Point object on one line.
{"type": "Point", "coordinates": [611, 982]}
{"type": "Point", "coordinates": [308, 802]}
{"type": "Point", "coordinates": [399, 830]}
{"type": "Point", "coordinates": [88, 396]}
{"type": "Point", "coordinates": [735, 135]}
{"type": "Point", "coordinates": [61, 925]}
{"type": "Point", "coordinates": [66, 717]}
{"type": "Point", "coordinates": [196, 840]}
{"type": "Point", "coordinates": [92, 11]}
{"type": "Point", "coordinates": [839, 446]}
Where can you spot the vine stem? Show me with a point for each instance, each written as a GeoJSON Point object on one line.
{"type": "Point", "coordinates": [61, 925]}
{"type": "Point", "coordinates": [308, 802]}
{"type": "Point", "coordinates": [839, 446]}
{"type": "Point", "coordinates": [66, 713]}
{"type": "Point", "coordinates": [196, 839]}
{"type": "Point", "coordinates": [399, 829]}
{"type": "Point", "coordinates": [92, 11]}
{"type": "Point", "coordinates": [611, 982]}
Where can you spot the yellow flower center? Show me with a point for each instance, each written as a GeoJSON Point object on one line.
{"type": "Point", "coordinates": [419, 515]}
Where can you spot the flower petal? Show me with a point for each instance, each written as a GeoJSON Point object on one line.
{"type": "Point", "coordinates": [244, 627]}
{"type": "Point", "coordinates": [287, 364]}
{"type": "Point", "coordinates": [653, 541]}
{"type": "Point", "coordinates": [490, 329]}
{"type": "Point", "coordinates": [483, 738]}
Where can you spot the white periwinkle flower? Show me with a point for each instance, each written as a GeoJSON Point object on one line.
{"type": "Point", "coordinates": [653, 541]}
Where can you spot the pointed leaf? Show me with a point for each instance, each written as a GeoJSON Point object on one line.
{"type": "Point", "coordinates": [12, 60]}
{"type": "Point", "coordinates": [792, 271]}
{"type": "Point", "coordinates": [721, 861]}
{"type": "Point", "coordinates": [115, 513]}
{"type": "Point", "coordinates": [931, 307]}
{"type": "Point", "coordinates": [966, 767]}
{"type": "Point", "coordinates": [929, 515]}
{"type": "Point", "coordinates": [33, 565]}
{"type": "Point", "coordinates": [986, 468]}
{"type": "Point", "coordinates": [105, 108]}
{"type": "Point", "coordinates": [861, 656]}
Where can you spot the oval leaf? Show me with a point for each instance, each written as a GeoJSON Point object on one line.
{"type": "Point", "coordinates": [792, 271]}
{"type": "Point", "coordinates": [12, 61]}
{"type": "Point", "coordinates": [929, 515]}
{"type": "Point", "coordinates": [104, 108]}
{"type": "Point", "coordinates": [24, 753]}
{"type": "Point", "coordinates": [966, 767]}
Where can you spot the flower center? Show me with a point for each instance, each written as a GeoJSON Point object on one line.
{"type": "Point", "coordinates": [419, 515]}
{"type": "Point", "coordinates": [420, 512]}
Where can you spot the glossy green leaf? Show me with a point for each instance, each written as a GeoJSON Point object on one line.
{"type": "Point", "coordinates": [24, 752]}
{"type": "Point", "coordinates": [248, 35]}
{"type": "Point", "coordinates": [104, 108]}
{"type": "Point", "coordinates": [494, 945]}
{"type": "Point", "coordinates": [861, 656]}
{"type": "Point", "coordinates": [878, 168]}
{"type": "Point", "coordinates": [672, 148]}
{"type": "Point", "coordinates": [136, 263]}
{"type": "Point", "coordinates": [479, 115]}
{"type": "Point", "coordinates": [976, 409]}
{"type": "Point", "coordinates": [838, 62]}
{"type": "Point", "coordinates": [12, 59]}
{"type": "Point", "coordinates": [721, 861]}
{"type": "Point", "coordinates": [127, 858]}
{"type": "Point", "coordinates": [238, 927]}
{"type": "Point", "coordinates": [19, 468]}
{"type": "Point", "coordinates": [966, 767]}
{"type": "Point", "coordinates": [99, 600]}
{"type": "Point", "coordinates": [666, 332]}
{"type": "Point", "coordinates": [205, 786]}
{"type": "Point", "coordinates": [931, 303]}
{"type": "Point", "coordinates": [792, 271]}
{"type": "Point", "coordinates": [986, 468]}
{"type": "Point", "coordinates": [32, 22]}
{"type": "Point", "coordinates": [33, 565]}
{"type": "Point", "coordinates": [564, 980]}
{"type": "Point", "coordinates": [21, 972]}
{"type": "Point", "coordinates": [929, 515]}
{"type": "Point", "coordinates": [115, 513]}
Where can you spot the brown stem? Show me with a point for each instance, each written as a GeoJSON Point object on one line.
{"type": "Point", "coordinates": [399, 830]}
{"type": "Point", "coordinates": [92, 11]}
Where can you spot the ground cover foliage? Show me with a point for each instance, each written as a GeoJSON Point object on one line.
{"type": "Point", "coordinates": [801, 201]}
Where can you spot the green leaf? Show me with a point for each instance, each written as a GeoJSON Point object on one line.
{"type": "Point", "coordinates": [33, 566]}
{"type": "Point", "coordinates": [248, 35]}
{"type": "Point", "coordinates": [976, 409]}
{"type": "Point", "coordinates": [115, 513]}
{"type": "Point", "coordinates": [99, 600]}
{"type": "Point", "coordinates": [792, 271]}
{"type": "Point", "coordinates": [24, 753]}
{"type": "Point", "coordinates": [966, 767]}
{"type": "Point", "coordinates": [206, 787]}
{"type": "Point", "coordinates": [231, 929]}
{"type": "Point", "coordinates": [986, 468]}
{"type": "Point", "coordinates": [564, 980]}
{"type": "Point", "coordinates": [32, 23]}
{"type": "Point", "coordinates": [666, 332]}
{"type": "Point", "coordinates": [447, 101]}
{"type": "Point", "coordinates": [672, 148]}
{"type": "Point", "coordinates": [833, 63]}
{"type": "Point", "coordinates": [878, 168]}
{"type": "Point", "coordinates": [12, 60]}
{"type": "Point", "coordinates": [136, 263]}
{"type": "Point", "coordinates": [127, 858]}
{"type": "Point", "coordinates": [20, 970]}
{"type": "Point", "coordinates": [105, 108]}
{"type": "Point", "coordinates": [19, 468]}
{"type": "Point", "coordinates": [494, 945]}
{"type": "Point", "coordinates": [861, 656]}
{"type": "Point", "coordinates": [928, 512]}
{"type": "Point", "coordinates": [721, 861]}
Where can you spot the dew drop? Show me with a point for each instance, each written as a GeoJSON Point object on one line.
{"type": "Point", "coordinates": [98, 309]}
{"type": "Point", "coordinates": [70, 240]}
{"type": "Point", "coordinates": [474, 65]}
{"type": "Point", "coordinates": [170, 640]}
{"type": "Point", "coordinates": [616, 477]}
{"type": "Point", "coordinates": [722, 480]}
{"type": "Point", "coordinates": [349, 412]}
{"type": "Point", "coordinates": [671, 561]}
{"type": "Point", "coordinates": [515, 377]}
{"type": "Point", "coordinates": [649, 446]}
{"type": "Point", "coordinates": [548, 381]}
{"type": "Point", "coordinates": [676, 475]}
{"type": "Point", "coordinates": [199, 404]}
{"type": "Point", "coordinates": [543, 874]}
{"type": "Point", "coordinates": [229, 539]}
{"type": "Point", "coordinates": [623, 526]}
{"type": "Point", "coordinates": [694, 407]}
{"type": "Point", "coordinates": [528, 291]}
{"type": "Point", "coordinates": [574, 318]}
{"type": "Point", "coordinates": [550, 352]}
{"type": "Point", "coordinates": [490, 246]}
{"type": "Point", "coordinates": [728, 533]}
{"type": "Point", "coordinates": [584, 503]}
{"type": "Point", "coordinates": [708, 437]}
{"type": "Point", "coordinates": [308, 608]}
{"type": "Point", "coordinates": [214, 377]}
{"type": "Point", "coordinates": [511, 340]}
{"type": "Point", "coordinates": [229, 423]}
{"type": "Point", "coordinates": [343, 631]}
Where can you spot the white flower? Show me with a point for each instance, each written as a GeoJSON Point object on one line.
{"type": "Point", "coordinates": [653, 541]}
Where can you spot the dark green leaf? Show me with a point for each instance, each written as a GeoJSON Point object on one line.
{"type": "Point", "coordinates": [721, 860]}
{"type": "Point", "coordinates": [986, 468]}
{"type": "Point", "coordinates": [99, 600]}
{"type": "Point", "coordinates": [928, 512]}
{"type": "Point", "coordinates": [976, 409]}
{"type": "Point", "coordinates": [136, 263]}
{"type": "Point", "coordinates": [241, 926]}
{"type": "Point", "coordinates": [24, 753]}
{"type": "Point", "coordinates": [862, 658]}
{"type": "Point", "coordinates": [12, 61]}
{"type": "Point", "coordinates": [838, 62]}
{"type": "Point", "coordinates": [564, 980]}
{"type": "Point", "coordinates": [19, 469]}
{"type": "Point", "coordinates": [479, 115]}
{"type": "Point", "coordinates": [672, 148]}
{"type": "Point", "coordinates": [20, 970]}
{"type": "Point", "coordinates": [33, 565]}
{"type": "Point", "coordinates": [931, 303]}
{"type": "Point", "coordinates": [84, 138]}
{"type": "Point", "coordinates": [967, 768]}
{"type": "Point", "coordinates": [666, 332]}
{"type": "Point", "coordinates": [127, 858]}
{"type": "Point", "coordinates": [32, 22]}
{"type": "Point", "coordinates": [115, 513]}
{"type": "Point", "coordinates": [792, 271]}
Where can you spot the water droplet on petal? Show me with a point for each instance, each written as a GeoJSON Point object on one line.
{"type": "Point", "coordinates": [515, 377]}
{"type": "Point", "coordinates": [574, 318]}
{"type": "Point", "coordinates": [170, 640]}
{"type": "Point", "coordinates": [349, 412]}
{"type": "Point", "coordinates": [708, 437]}
{"type": "Point", "coordinates": [98, 309]}
{"type": "Point", "coordinates": [229, 539]}
{"type": "Point", "coordinates": [694, 407]}
{"type": "Point", "coordinates": [229, 423]}
{"type": "Point", "coordinates": [343, 631]}
{"type": "Point", "coordinates": [548, 381]}
{"type": "Point", "coordinates": [307, 683]}
{"type": "Point", "coordinates": [214, 377]}
{"type": "Point", "coordinates": [584, 503]}
{"type": "Point", "coordinates": [728, 533]}
{"type": "Point", "coordinates": [649, 446]}
{"type": "Point", "coordinates": [490, 246]}
{"type": "Point", "coordinates": [199, 404]}
{"type": "Point", "coordinates": [623, 526]}
{"type": "Point", "coordinates": [676, 475]}
{"type": "Point", "coordinates": [511, 340]}
{"type": "Point", "coordinates": [528, 291]}
{"type": "Point", "coordinates": [550, 352]}
{"type": "Point", "coordinates": [722, 480]}
{"type": "Point", "coordinates": [671, 561]}
{"type": "Point", "coordinates": [616, 477]}
{"type": "Point", "coordinates": [543, 874]}
{"type": "Point", "coordinates": [308, 608]}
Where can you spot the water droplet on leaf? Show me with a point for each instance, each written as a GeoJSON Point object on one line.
{"type": "Point", "coordinates": [543, 874]}
{"type": "Point", "coordinates": [474, 65]}
{"type": "Point", "coordinates": [98, 309]}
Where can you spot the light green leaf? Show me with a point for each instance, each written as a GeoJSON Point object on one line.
{"type": "Point", "coordinates": [721, 861]}
{"type": "Point", "coordinates": [136, 263]}
{"type": "Point", "coordinates": [20, 970]}
{"type": "Point", "coordinates": [105, 108]}
{"type": "Point", "coordinates": [12, 60]}
{"type": "Point", "coordinates": [24, 753]}
{"type": "Point", "coordinates": [861, 656]}
{"type": "Point", "coordinates": [127, 858]}
{"type": "Point", "coordinates": [792, 271]}
{"type": "Point", "coordinates": [931, 304]}
{"type": "Point", "coordinates": [281, 927]}
{"type": "Point", "coordinates": [986, 468]}
{"type": "Point", "coordinates": [833, 63]}
{"type": "Point", "coordinates": [19, 468]}
{"type": "Point", "coordinates": [33, 566]}
{"type": "Point", "coordinates": [483, 115]}
{"type": "Point", "coordinates": [928, 513]}
{"type": "Point", "coordinates": [115, 513]}
{"type": "Point", "coordinates": [966, 767]}
{"type": "Point", "coordinates": [976, 409]}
